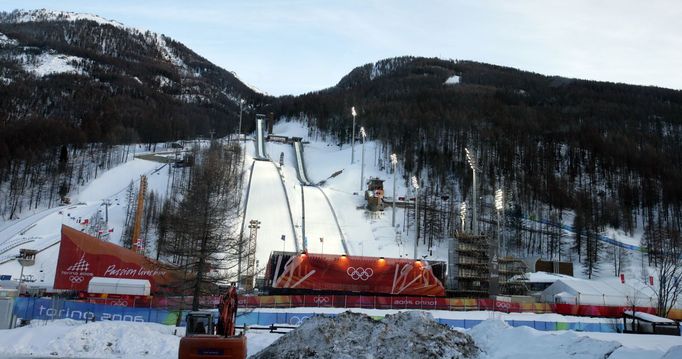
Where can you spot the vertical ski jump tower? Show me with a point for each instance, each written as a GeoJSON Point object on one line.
{"type": "Point", "coordinates": [260, 138]}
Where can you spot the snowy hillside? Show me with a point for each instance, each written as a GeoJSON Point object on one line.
{"type": "Point", "coordinates": [275, 199]}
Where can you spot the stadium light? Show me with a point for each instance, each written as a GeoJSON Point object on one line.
{"type": "Point", "coordinates": [352, 145]}
{"type": "Point", "coordinates": [499, 206]}
{"type": "Point", "coordinates": [474, 168]}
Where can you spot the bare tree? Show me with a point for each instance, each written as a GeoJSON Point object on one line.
{"type": "Point", "coordinates": [669, 269]}
{"type": "Point", "coordinates": [201, 226]}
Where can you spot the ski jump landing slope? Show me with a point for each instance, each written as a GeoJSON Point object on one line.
{"type": "Point", "coordinates": [268, 204]}
{"type": "Point", "coordinates": [322, 229]}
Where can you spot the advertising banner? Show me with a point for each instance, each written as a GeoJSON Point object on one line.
{"type": "Point", "coordinates": [82, 257]}
{"type": "Point", "coordinates": [48, 309]}
{"type": "Point", "coordinates": [325, 272]}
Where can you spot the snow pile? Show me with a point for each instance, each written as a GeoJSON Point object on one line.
{"type": "Point", "coordinates": [453, 80]}
{"type": "Point", "coordinates": [673, 353]}
{"type": "Point", "coordinates": [69, 338]}
{"type": "Point", "coordinates": [498, 340]}
{"type": "Point", "coordinates": [353, 335]}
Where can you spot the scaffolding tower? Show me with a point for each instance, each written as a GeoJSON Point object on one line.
{"type": "Point", "coordinates": [512, 274]}
{"type": "Point", "coordinates": [472, 272]}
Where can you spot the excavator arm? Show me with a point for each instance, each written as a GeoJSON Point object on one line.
{"type": "Point", "coordinates": [227, 310]}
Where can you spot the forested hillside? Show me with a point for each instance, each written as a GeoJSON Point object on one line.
{"type": "Point", "coordinates": [74, 85]}
{"type": "Point", "coordinates": [610, 153]}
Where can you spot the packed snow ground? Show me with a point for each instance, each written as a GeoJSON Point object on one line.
{"type": "Point", "coordinates": [111, 339]}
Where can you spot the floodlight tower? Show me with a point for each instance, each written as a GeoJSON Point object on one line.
{"type": "Point", "coordinates": [474, 168]}
{"type": "Point", "coordinates": [499, 206]}
{"type": "Point", "coordinates": [415, 185]}
{"type": "Point", "coordinates": [362, 168]}
{"type": "Point", "coordinates": [352, 140]}
{"type": "Point", "coordinates": [394, 163]}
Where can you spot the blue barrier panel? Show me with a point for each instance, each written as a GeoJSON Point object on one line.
{"type": "Point", "coordinates": [268, 318]}
{"type": "Point", "coordinates": [281, 318]}
{"type": "Point", "coordinates": [247, 318]}
{"type": "Point", "coordinates": [523, 323]}
{"type": "Point", "coordinates": [470, 323]}
{"type": "Point", "coordinates": [47, 309]}
{"type": "Point", "coordinates": [592, 327]}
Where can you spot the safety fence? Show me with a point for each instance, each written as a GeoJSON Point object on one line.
{"type": "Point", "coordinates": [385, 302]}
{"type": "Point", "coordinates": [264, 318]}
{"type": "Point", "coordinates": [49, 309]}
{"type": "Point", "coordinates": [46, 309]}
{"type": "Point", "coordinates": [437, 303]}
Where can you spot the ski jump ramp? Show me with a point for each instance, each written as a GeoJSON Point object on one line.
{"type": "Point", "coordinates": [260, 140]}
{"type": "Point", "coordinates": [300, 166]}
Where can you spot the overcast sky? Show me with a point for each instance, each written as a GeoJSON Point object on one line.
{"type": "Point", "coordinates": [297, 46]}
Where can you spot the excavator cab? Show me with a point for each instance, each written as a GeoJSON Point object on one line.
{"type": "Point", "coordinates": [203, 339]}
{"type": "Point", "coordinates": [199, 323]}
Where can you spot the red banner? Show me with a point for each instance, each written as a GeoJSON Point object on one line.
{"type": "Point", "coordinates": [354, 274]}
{"type": "Point", "coordinates": [82, 257]}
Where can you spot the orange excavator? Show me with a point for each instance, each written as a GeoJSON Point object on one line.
{"type": "Point", "coordinates": [203, 339]}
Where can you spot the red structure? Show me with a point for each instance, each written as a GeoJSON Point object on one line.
{"type": "Point", "coordinates": [82, 257]}
{"type": "Point", "coordinates": [293, 272]}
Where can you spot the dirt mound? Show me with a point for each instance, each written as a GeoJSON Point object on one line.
{"type": "Point", "coordinates": [353, 335]}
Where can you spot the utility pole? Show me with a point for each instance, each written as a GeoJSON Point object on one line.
{"type": "Point", "coordinates": [415, 185]}
{"type": "Point", "coordinates": [352, 143]}
{"type": "Point", "coordinates": [363, 134]}
{"type": "Point", "coordinates": [241, 108]}
{"type": "Point", "coordinates": [305, 241]}
{"type": "Point", "coordinates": [474, 168]}
{"type": "Point", "coordinates": [394, 162]}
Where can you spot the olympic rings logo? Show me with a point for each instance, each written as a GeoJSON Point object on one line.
{"type": "Point", "coordinates": [359, 273]}
{"type": "Point", "coordinates": [296, 320]}
{"type": "Point", "coordinates": [120, 303]}
{"type": "Point", "coordinates": [76, 279]}
{"type": "Point", "coordinates": [503, 305]}
{"type": "Point", "coordinates": [320, 300]}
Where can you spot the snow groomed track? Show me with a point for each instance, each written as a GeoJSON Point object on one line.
{"type": "Point", "coordinates": [321, 223]}
{"type": "Point", "coordinates": [268, 204]}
